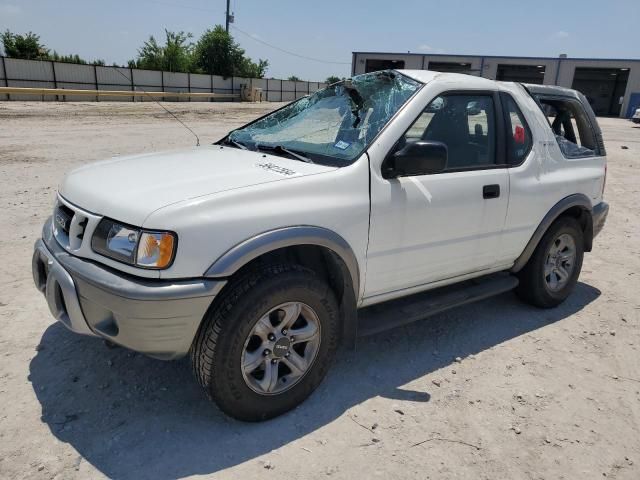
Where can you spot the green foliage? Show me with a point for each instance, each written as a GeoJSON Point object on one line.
{"type": "Point", "coordinates": [72, 59]}
{"type": "Point", "coordinates": [66, 58]}
{"type": "Point", "coordinates": [250, 69]}
{"type": "Point", "coordinates": [24, 46]}
{"type": "Point", "coordinates": [216, 53]}
{"type": "Point", "coordinates": [293, 78]}
{"type": "Point", "coordinates": [29, 47]}
{"type": "Point", "coordinates": [173, 56]}
{"type": "Point", "coordinates": [333, 79]}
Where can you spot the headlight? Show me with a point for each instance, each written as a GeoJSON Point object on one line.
{"type": "Point", "coordinates": [135, 246]}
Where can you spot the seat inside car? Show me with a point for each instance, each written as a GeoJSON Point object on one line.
{"type": "Point", "coordinates": [450, 126]}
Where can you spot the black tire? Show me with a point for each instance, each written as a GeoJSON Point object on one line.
{"type": "Point", "coordinates": [217, 350]}
{"type": "Point", "coordinates": [533, 287]}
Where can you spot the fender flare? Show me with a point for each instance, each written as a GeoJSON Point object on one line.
{"type": "Point", "coordinates": [574, 200]}
{"type": "Point", "coordinates": [236, 257]}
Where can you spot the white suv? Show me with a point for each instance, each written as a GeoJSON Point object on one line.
{"type": "Point", "coordinates": [369, 204]}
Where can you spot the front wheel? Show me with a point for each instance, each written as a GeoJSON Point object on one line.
{"type": "Point", "coordinates": [552, 271]}
{"type": "Point", "coordinates": [267, 342]}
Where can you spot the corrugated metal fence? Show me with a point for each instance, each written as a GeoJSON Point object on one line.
{"type": "Point", "coordinates": [48, 74]}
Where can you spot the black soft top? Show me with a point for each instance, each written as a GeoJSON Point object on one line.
{"type": "Point", "coordinates": [551, 91]}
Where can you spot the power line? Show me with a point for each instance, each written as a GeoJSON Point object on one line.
{"type": "Point", "coordinates": [287, 51]}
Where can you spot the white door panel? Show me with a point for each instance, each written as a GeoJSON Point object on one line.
{"type": "Point", "coordinates": [432, 227]}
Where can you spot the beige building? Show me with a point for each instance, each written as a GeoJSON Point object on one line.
{"type": "Point", "coordinates": [611, 85]}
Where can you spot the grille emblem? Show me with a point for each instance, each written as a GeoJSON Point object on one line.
{"type": "Point", "coordinates": [61, 221]}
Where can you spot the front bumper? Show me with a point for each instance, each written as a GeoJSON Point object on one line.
{"type": "Point", "coordinates": [159, 318]}
{"type": "Point", "coordinates": [599, 216]}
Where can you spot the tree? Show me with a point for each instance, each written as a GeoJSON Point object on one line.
{"type": "Point", "coordinates": [216, 53]}
{"type": "Point", "coordinates": [253, 70]}
{"type": "Point", "coordinates": [24, 46]}
{"type": "Point", "coordinates": [173, 56]}
{"type": "Point", "coordinates": [177, 52]}
{"type": "Point", "coordinates": [56, 57]}
{"type": "Point", "coordinates": [332, 79]}
{"type": "Point", "coordinates": [293, 78]}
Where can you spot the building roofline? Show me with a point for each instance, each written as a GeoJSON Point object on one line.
{"type": "Point", "coordinates": [426, 54]}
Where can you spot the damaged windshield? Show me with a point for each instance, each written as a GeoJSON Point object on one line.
{"type": "Point", "coordinates": [334, 124]}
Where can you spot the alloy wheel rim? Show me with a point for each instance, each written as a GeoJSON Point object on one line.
{"type": "Point", "coordinates": [560, 262]}
{"type": "Point", "coordinates": [281, 348]}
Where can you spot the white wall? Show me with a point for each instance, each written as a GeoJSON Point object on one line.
{"type": "Point", "coordinates": [488, 66]}
{"type": "Point", "coordinates": [48, 74]}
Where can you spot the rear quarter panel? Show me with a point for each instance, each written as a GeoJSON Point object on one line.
{"type": "Point", "coordinates": [545, 178]}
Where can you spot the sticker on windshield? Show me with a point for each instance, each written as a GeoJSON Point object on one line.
{"type": "Point", "coordinates": [342, 145]}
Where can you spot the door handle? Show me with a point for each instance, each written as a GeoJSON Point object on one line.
{"type": "Point", "coordinates": [491, 191]}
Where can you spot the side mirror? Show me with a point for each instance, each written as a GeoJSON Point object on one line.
{"type": "Point", "coordinates": [416, 158]}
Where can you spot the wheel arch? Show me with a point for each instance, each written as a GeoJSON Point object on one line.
{"type": "Point", "coordinates": [317, 248]}
{"type": "Point", "coordinates": [577, 206]}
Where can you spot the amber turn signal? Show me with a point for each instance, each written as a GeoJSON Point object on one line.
{"type": "Point", "coordinates": [156, 249]}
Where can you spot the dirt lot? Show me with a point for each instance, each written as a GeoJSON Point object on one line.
{"type": "Point", "coordinates": [534, 394]}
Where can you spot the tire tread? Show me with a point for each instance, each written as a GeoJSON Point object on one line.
{"type": "Point", "coordinates": [216, 324]}
{"type": "Point", "coordinates": [531, 288]}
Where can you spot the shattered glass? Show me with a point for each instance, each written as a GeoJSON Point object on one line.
{"type": "Point", "coordinates": [337, 122]}
{"type": "Point", "coordinates": [573, 150]}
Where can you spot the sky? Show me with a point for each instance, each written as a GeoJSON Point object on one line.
{"type": "Point", "coordinates": [327, 31]}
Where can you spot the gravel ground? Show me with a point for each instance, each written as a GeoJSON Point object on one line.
{"type": "Point", "coordinates": [493, 390]}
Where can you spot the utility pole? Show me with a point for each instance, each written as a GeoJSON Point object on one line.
{"type": "Point", "coordinates": [228, 17]}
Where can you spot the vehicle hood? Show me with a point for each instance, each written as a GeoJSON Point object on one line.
{"type": "Point", "coordinates": [130, 188]}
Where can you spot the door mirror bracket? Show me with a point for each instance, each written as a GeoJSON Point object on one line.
{"type": "Point", "coordinates": [415, 159]}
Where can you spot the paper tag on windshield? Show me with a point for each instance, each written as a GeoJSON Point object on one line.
{"type": "Point", "coordinates": [342, 145]}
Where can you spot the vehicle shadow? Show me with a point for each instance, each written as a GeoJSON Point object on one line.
{"type": "Point", "coordinates": [133, 417]}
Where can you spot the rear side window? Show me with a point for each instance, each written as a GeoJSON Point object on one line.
{"type": "Point", "coordinates": [571, 126]}
{"type": "Point", "coordinates": [518, 133]}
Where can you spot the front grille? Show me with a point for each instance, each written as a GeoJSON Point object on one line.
{"type": "Point", "coordinates": [69, 226]}
{"type": "Point", "coordinates": [82, 225]}
{"type": "Point", "coordinates": [63, 217]}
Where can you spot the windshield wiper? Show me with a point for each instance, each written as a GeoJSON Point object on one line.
{"type": "Point", "coordinates": [280, 149]}
{"type": "Point", "coordinates": [239, 145]}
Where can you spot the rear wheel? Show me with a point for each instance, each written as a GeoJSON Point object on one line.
{"type": "Point", "coordinates": [267, 342]}
{"type": "Point", "coordinates": [552, 272]}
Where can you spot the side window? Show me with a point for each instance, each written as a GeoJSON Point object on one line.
{"type": "Point", "coordinates": [518, 133]}
{"type": "Point", "coordinates": [465, 124]}
{"type": "Point", "coordinates": [571, 127]}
